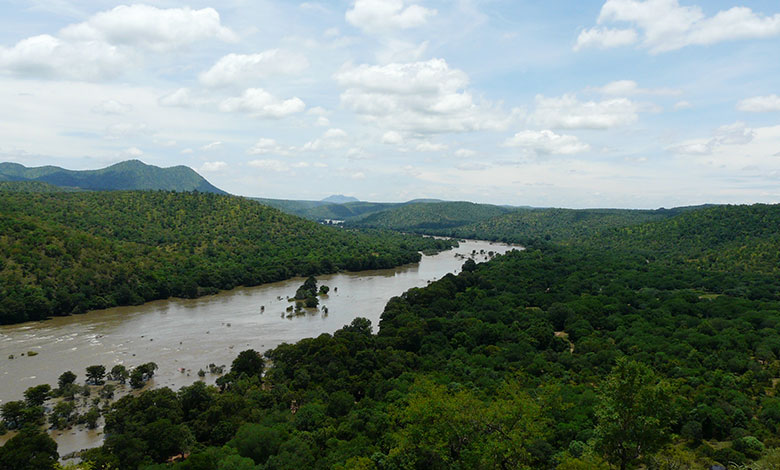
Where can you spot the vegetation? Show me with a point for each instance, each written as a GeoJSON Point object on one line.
{"type": "Point", "coordinates": [323, 210]}
{"type": "Point", "coordinates": [63, 253]}
{"type": "Point", "coordinates": [525, 225]}
{"type": "Point", "coordinates": [429, 217]}
{"type": "Point", "coordinates": [576, 355]}
{"type": "Point", "coordinates": [128, 175]}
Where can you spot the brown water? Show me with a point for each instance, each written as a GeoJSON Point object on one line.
{"type": "Point", "coordinates": [189, 334]}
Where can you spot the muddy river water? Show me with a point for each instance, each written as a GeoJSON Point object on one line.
{"type": "Point", "coordinates": [185, 335]}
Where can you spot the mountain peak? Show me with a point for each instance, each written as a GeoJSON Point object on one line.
{"type": "Point", "coordinates": [126, 175]}
{"type": "Point", "coordinates": [340, 199]}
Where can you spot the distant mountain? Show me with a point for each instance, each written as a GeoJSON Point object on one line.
{"type": "Point", "coordinates": [128, 175]}
{"type": "Point", "coordinates": [340, 199]}
{"type": "Point", "coordinates": [426, 217]}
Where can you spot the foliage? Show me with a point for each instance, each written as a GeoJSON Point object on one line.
{"type": "Point", "coordinates": [564, 355]}
{"type": "Point", "coordinates": [63, 253]}
{"type": "Point", "coordinates": [427, 217]}
{"type": "Point", "coordinates": [632, 417]}
{"type": "Point", "coordinates": [31, 449]}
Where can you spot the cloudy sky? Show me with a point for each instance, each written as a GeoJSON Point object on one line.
{"type": "Point", "coordinates": [616, 103]}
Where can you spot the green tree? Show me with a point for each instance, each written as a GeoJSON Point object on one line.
{"type": "Point", "coordinates": [37, 395]}
{"type": "Point", "coordinates": [119, 373]}
{"type": "Point", "coordinates": [248, 362]}
{"type": "Point", "coordinates": [31, 449]}
{"type": "Point", "coordinates": [13, 413]}
{"type": "Point", "coordinates": [632, 414]}
{"type": "Point", "coordinates": [62, 414]}
{"type": "Point", "coordinates": [96, 374]}
{"type": "Point", "coordinates": [66, 378]}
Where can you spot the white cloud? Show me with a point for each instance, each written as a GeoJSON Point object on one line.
{"type": "Point", "coordinates": [112, 107]}
{"type": "Point", "coordinates": [272, 165]}
{"type": "Point", "coordinates": [181, 98]}
{"type": "Point", "coordinates": [187, 151]}
{"type": "Point", "coordinates": [430, 147]}
{"type": "Point", "coordinates": [423, 97]}
{"type": "Point", "coordinates": [212, 166]}
{"type": "Point", "coordinates": [334, 134]}
{"type": "Point", "coordinates": [259, 103]}
{"type": "Point", "coordinates": [133, 152]}
{"type": "Point", "coordinates": [465, 153]}
{"type": "Point", "coordinates": [547, 142]}
{"type": "Point", "coordinates": [50, 57]}
{"type": "Point", "coordinates": [211, 146]}
{"type": "Point", "coordinates": [682, 105]}
{"type": "Point", "coordinates": [630, 88]}
{"type": "Point", "coordinates": [110, 42]}
{"type": "Point", "coordinates": [732, 134]}
{"type": "Point", "coordinates": [378, 16]}
{"type": "Point", "coordinates": [150, 27]}
{"type": "Point", "coordinates": [605, 38]}
{"type": "Point", "coordinates": [760, 104]}
{"type": "Point", "coordinates": [568, 112]}
{"type": "Point", "coordinates": [265, 146]}
{"type": "Point", "coordinates": [330, 140]}
{"type": "Point", "coordinates": [666, 25]}
{"type": "Point", "coordinates": [392, 138]}
{"type": "Point", "coordinates": [237, 69]}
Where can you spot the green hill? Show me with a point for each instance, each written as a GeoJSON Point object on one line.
{"type": "Point", "coordinates": [734, 237]}
{"type": "Point", "coordinates": [128, 175]}
{"type": "Point", "coordinates": [323, 210]}
{"type": "Point", "coordinates": [522, 225]}
{"type": "Point", "coordinates": [428, 217]}
{"type": "Point", "coordinates": [69, 252]}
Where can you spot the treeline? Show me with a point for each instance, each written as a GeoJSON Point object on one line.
{"type": "Point", "coordinates": [557, 357]}
{"type": "Point", "coordinates": [528, 225]}
{"type": "Point", "coordinates": [63, 253]}
{"type": "Point", "coordinates": [510, 225]}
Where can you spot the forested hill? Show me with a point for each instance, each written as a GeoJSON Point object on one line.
{"type": "Point", "coordinates": [523, 225]}
{"type": "Point", "coordinates": [429, 217]}
{"type": "Point", "coordinates": [559, 357]}
{"type": "Point", "coordinates": [128, 175]}
{"type": "Point", "coordinates": [323, 210]}
{"type": "Point", "coordinates": [734, 237]}
{"type": "Point", "coordinates": [69, 252]}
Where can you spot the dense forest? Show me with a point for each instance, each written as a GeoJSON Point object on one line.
{"type": "Point", "coordinates": [512, 225]}
{"type": "Point", "coordinates": [69, 252]}
{"type": "Point", "coordinates": [656, 349]}
{"type": "Point", "coordinates": [526, 225]}
{"type": "Point", "coordinates": [428, 217]}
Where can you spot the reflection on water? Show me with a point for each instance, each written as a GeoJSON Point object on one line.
{"type": "Point", "coordinates": [188, 334]}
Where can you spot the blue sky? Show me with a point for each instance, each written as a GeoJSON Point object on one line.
{"type": "Point", "coordinates": [616, 103]}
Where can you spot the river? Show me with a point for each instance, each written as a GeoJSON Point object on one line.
{"type": "Point", "coordinates": [188, 334]}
